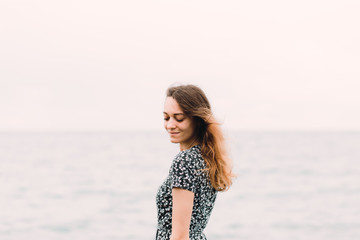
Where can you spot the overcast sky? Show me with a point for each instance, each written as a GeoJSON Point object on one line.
{"type": "Point", "coordinates": [105, 65]}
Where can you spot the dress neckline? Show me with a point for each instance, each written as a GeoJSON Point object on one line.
{"type": "Point", "coordinates": [195, 146]}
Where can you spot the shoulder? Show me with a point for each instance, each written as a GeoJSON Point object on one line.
{"type": "Point", "coordinates": [190, 158]}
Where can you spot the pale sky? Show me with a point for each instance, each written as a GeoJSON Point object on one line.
{"type": "Point", "coordinates": [105, 65]}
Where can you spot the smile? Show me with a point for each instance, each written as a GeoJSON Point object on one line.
{"type": "Point", "coordinates": [173, 133]}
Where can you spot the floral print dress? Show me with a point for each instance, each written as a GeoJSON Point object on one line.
{"type": "Point", "coordinates": [186, 172]}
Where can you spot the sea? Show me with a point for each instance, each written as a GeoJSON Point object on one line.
{"type": "Point", "coordinates": [298, 185]}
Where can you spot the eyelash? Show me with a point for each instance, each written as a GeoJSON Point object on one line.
{"type": "Point", "coordinates": [180, 120]}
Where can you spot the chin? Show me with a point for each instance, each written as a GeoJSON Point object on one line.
{"type": "Point", "coordinates": [174, 140]}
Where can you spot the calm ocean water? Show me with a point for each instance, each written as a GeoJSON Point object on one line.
{"type": "Point", "coordinates": [84, 186]}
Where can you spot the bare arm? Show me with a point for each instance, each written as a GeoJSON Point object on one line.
{"type": "Point", "coordinates": [183, 201]}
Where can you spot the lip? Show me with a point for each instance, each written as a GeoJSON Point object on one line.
{"type": "Point", "coordinates": [173, 133]}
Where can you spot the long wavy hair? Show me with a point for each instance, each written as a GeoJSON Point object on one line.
{"type": "Point", "coordinates": [208, 133]}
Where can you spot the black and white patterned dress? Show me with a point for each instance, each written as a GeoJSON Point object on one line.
{"type": "Point", "coordinates": [186, 172]}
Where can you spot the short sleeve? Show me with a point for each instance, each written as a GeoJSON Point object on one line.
{"type": "Point", "coordinates": [183, 175]}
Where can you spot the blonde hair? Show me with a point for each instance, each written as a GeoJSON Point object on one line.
{"type": "Point", "coordinates": [208, 133]}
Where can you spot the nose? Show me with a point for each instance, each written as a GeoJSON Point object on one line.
{"type": "Point", "coordinates": [171, 124]}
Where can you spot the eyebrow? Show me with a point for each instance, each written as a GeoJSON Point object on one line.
{"type": "Point", "coordinates": [175, 114]}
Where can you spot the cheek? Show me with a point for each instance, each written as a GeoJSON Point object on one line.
{"type": "Point", "coordinates": [192, 128]}
{"type": "Point", "coordinates": [188, 128]}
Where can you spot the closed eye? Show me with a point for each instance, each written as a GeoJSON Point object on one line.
{"type": "Point", "coordinates": [178, 120]}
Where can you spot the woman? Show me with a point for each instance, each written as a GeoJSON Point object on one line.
{"type": "Point", "coordinates": [201, 169]}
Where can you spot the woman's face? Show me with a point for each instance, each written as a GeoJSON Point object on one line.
{"type": "Point", "coordinates": [180, 127]}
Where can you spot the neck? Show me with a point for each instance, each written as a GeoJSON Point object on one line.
{"type": "Point", "coordinates": [190, 144]}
